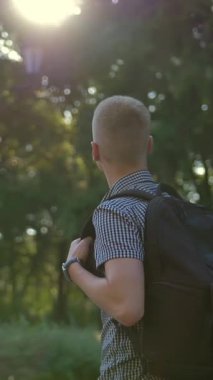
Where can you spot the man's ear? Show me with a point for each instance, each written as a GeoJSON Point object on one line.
{"type": "Point", "coordinates": [95, 151]}
{"type": "Point", "coordinates": [150, 145]}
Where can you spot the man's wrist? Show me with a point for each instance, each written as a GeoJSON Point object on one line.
{"type": "Point", "coordinates": [66, 265]}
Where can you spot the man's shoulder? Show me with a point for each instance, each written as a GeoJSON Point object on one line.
{"type": "Point", "coordinates": [129, 208]}
{"type": "Point", "coordinates": [127, 201]}
{"type": "Point", "coordinates": [123, 204]}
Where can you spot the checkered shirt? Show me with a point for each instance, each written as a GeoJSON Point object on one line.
{"type": "Point", "coordinates": [119, 226]}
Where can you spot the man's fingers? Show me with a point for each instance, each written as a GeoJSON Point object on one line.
{"type": "Point", "coordinates": [74, 242]}
{"type": "Point", "coordinates": [85, 245]}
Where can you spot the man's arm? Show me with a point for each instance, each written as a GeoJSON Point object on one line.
{"type": "Point", "coordinates": [120, 293]}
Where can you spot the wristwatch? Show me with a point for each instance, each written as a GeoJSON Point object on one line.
{"type": "Point", "coordinates": [66, 265]}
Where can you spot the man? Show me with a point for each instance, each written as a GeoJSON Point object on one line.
{"type": "Point", "coordinates": [121, 144]}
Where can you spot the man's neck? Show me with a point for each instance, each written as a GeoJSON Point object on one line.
{"type": "Point", "coordinates": [114, 174]}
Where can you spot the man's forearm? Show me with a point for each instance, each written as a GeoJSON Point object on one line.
{"type": "Point", "coordinates": [97, 289]}
{"type": "Point", "coordinates": [120, 293]}
{"type": "Point", "coordinates": [101, 291]}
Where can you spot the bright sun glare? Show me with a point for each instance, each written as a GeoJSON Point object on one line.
{"type": "Point", "coordinates": [47, 12]}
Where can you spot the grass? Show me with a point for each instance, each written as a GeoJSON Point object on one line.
{"type": "Point", "coordinates": [48, 352]}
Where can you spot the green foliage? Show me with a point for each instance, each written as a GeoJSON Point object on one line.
{"type": "Point", "coordinates": [48, 352]}
{"type": "Point", "coordinates": [43, 181]}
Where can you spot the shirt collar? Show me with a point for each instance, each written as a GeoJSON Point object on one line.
{"type": "Point", "coordinates": [131, 181]}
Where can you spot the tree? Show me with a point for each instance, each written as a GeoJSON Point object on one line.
{"type": "Point", "coordinates": [42, 179]}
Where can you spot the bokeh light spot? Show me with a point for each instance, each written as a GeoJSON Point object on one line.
{"type": "Point", "coordinates": [152, 108]}
{"type": "Point", "coordinates": [152, 94]}
{"type": "Point", "coordinates": [31, 232]}
{"type": "Point", "coordinates": [204, 107]}
{"type": "Point", "coordinates": [92, 90]}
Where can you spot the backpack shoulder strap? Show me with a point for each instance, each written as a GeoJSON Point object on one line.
{"type": "Point", "coordinates": [147, 196]}
{"type": "Point", "coordinates": [165, 188]}
{"type": "Point", "coordinates": [140, 194]}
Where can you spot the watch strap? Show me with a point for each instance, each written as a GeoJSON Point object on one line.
{"type": "Point", "coordinates": [66, 265]}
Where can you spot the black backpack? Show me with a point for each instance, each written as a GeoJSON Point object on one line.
{"type": "Point", "coordinates": [178, 265]}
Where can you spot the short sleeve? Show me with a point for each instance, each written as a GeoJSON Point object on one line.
{"type": "Point", "coordinates": [117, 236]}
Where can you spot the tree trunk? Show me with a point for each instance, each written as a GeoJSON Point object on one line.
{"type": "Point", "coordinates": [60, 314]}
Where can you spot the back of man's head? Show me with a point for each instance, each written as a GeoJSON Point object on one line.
{"type": "Point", "coordinates": [121, 128]}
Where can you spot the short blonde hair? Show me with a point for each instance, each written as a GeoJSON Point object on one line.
{"type": "Point", "coordinates": [121, 127]}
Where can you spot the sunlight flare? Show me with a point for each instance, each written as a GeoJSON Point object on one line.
{"type": "Point", "coordinates": [47, 12]}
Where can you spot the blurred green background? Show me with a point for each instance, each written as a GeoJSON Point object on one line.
{"type": "Point", "coordinates": [51, 79]}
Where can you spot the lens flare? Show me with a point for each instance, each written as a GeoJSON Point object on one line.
{"type": "Point", "coordinates": [47, 12]}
